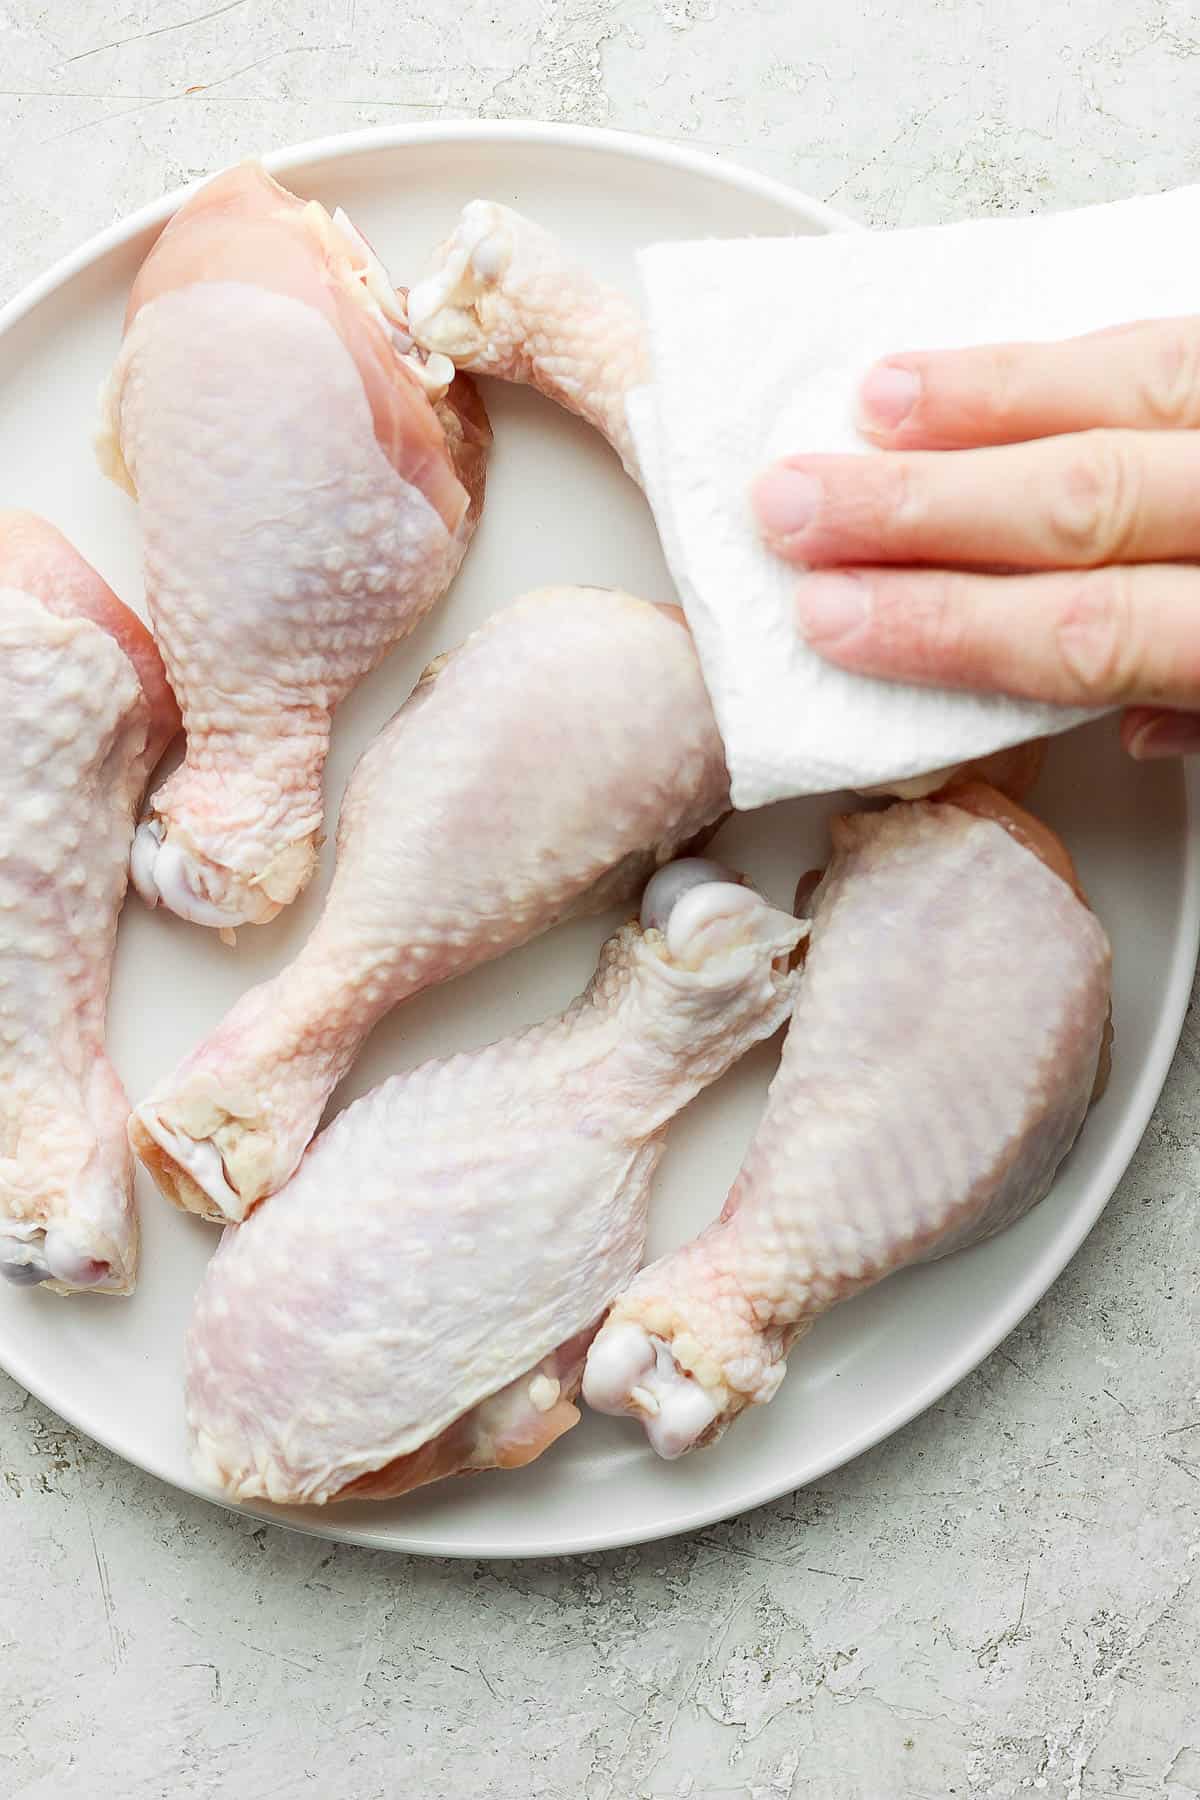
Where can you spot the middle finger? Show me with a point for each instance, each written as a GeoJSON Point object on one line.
{"type": "Point", "coordinates": [1077, 501]}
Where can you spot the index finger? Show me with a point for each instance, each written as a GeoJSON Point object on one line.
{"type": "Point", "coordinates": [1141, 376]}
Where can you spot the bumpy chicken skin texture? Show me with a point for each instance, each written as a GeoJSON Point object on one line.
{"type": "Point", "coordinates": [544, 768]}
{"type": "Point", "coordinates": [307, 484]}
{"type": "Point", "coordinates": [506, 298]}
{"type": "Point", "coordinates": [944, 1048]}
{"type": "Point", "coordinates": [417, 1301]}
{"type": "Point", "coordinates": [85, 712]}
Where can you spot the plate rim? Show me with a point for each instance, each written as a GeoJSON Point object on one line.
{"type": "Point", "coordinates": [1020, 1302]}
{"type": "Point", "coordinates": [1026, 1293]}
{"type": "Point", "coordinates": [337, 146]}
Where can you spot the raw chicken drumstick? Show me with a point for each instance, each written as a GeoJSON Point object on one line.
{"type": "Point", "coordinates": [449, 1244]}
{"type": "Point", "coordinates": [307, 483]}
{"type": "Point", "coordinates": [949, 1034]}
{"type": "Point", "coordinates": [507, 299]}
{"type": "Point", "coordinates": [85, 713]}
{"type": "Point", "coordinates": [543, 769]}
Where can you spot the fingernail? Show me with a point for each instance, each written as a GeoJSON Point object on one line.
{"type": "Point", "coordinates": [887, 396]}
{"type": "Point", "coordinates": [786, 501]}
{"type": "Point", "coordinates": [1175, 734]}
{"type": "Point", "coordinates": [831, 606]}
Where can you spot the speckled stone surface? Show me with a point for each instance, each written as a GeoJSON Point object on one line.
{"type": "Point", "coordinates": [999, 1601]}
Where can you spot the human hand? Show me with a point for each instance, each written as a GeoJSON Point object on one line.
{"type": "Point", "coordinates": [1053, 556]}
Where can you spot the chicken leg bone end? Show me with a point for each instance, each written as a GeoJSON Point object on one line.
{"type": "Point", "coordinates": [444, 310]}
{"type": "Point", "coordinates": [52, 1258]}
{"type": "Point", "coordinates": [674, 880]}
{"type": "Point", "coordinates": [190, 1171]}
{"type": "Point", "coordinates": [176, 875]}
{"type": "Point", "coordinates": [631, 1371]}
{"type": "Point", "coordinates": [507, 299]}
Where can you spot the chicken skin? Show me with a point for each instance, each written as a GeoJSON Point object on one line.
{"type": "Point", "coordinates": [85, 713]}
{"type": "Point", "coordinates": [418, 1300]}
{"type": "Point", "coordinates": [307, 484]}
{"type": "Point", "coordinates": [506, 298]}
{"type": "Point", "coordinates": [949, 1033]}
{"type": "Point", "coordinates": [543, 769]}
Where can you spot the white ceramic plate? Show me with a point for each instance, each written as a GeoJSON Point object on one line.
{"type": "Point", "coordinates": [558, 509]}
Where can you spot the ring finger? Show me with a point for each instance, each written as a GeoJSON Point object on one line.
{"type": "Point", "coordinates": [1101, 638]}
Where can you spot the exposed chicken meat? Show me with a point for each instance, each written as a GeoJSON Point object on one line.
{"type": "Point", "coordinates": [307, 483]}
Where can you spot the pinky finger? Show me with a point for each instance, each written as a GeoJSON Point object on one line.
{"type": "Point", "coordinates": [1148, 732]}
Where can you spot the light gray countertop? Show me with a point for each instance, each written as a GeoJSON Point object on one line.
{"type": "Point", "coordinates": [1000, 1600]}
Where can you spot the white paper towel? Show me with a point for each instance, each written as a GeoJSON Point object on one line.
{"type": "Point", "coordinates": [759, 346]}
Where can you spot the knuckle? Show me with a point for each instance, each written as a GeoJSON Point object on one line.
{"type": "Point", "coordinates": [1169, 375]}
{"type": "Point", "coordinates": [922, 618]}
{"type": "Point", "coordinates": [1003, 395]}
{"type": "Point", "coordinates": [1092, 511]}
{"type": "Point", "coordinates": [868, 511]}
{"type": "Point", "coordinates": [1096, 639]}
{"type": "Point", "coordinates": [974, 396]}
{"type": "Point", "coordinates": [899, 503]}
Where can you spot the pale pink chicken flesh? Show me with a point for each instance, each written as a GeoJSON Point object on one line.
{"type": "Point", "coordinates": [506, 298]}
{"type": "Point", "coordinates": [308, 481]}
{"type": "Point", "coordinates": [85, 713]}
{"type": "Point", "coordinates": [418, 1300]}
{"type": "Point", "coordinates": [544, 768]}
{"type": "Point", "coordinates": [949, 1033]}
